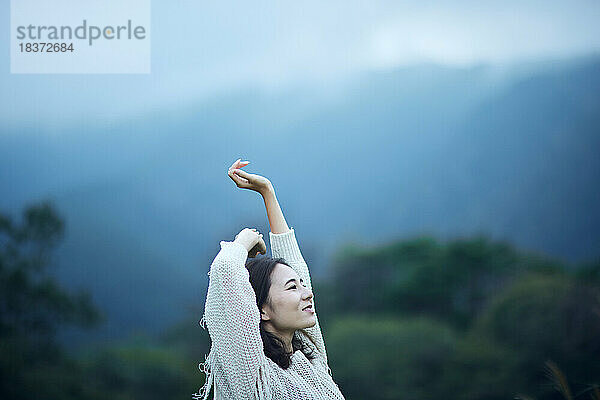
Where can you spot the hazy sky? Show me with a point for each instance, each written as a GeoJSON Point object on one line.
{"type": "Point", "coordinates": [200, 48]}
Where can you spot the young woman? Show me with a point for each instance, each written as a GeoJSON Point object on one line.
{"type": "Point", "coordinates": [266, 339]}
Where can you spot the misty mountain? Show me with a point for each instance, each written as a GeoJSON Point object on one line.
{"type": "Point", "coordinates": [420, 150]}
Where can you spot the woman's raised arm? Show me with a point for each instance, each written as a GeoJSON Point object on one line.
{"type": "Point", "coordinates": [232, 319]}
{"type": "Point", "coordinates": [282, 238]}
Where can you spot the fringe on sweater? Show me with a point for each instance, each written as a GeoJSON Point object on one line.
{"type": "Point", "coordinates": [204, 391]}
{"type": "Point", "coordinates": [206, 368]}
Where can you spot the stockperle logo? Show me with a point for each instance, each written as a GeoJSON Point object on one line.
{"type": "Point", "coordinates": [90, 33]}
{"type": "Point", "coordinates": [80, 36]}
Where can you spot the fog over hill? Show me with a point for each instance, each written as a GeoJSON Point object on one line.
{"type": "Point", "coordinates": [420, 150]}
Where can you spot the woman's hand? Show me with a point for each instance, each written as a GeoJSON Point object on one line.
{"type": "Point", "coordinates": [245, 180]}
{"type": "Point", "coordinates": [263, 186]}
{"type": "Point", "coordinates": [252, 240]}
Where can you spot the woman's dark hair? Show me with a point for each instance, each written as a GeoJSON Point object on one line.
{"type": "Point", "coordinates": [260, 270]}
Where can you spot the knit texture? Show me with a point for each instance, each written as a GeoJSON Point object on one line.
{"type": "Point", "coordinates": [237, 367]}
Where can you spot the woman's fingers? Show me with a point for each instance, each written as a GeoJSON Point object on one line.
{"type": "Point", "coordinates": [234, 164]}
{"type": "Point", "coordinates": [259, 247]}
{"type": "Point", "coordinates": [243, 174]}
{"type": "Point", "coordinates": [238, 164]}
{"type": "Point", "coordinates": [250, 238]}
{"type": "Point", "coordinates": [239, 181]}
{"type": "Point", "coordinates": [237, 178]}
{"type": "Point", "coordinates": [262, 247]}
{"type": "Point", "coordinates": [241, 164]}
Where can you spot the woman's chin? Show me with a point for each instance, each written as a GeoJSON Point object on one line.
{"type": "Point", "coordinates": [312, 322]}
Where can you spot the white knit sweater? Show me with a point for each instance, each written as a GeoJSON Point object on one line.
{"type": "Point", "coordinates": [237, 364]}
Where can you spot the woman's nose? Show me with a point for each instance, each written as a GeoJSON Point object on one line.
{"type": "Point", "coordinates": [308, 294]}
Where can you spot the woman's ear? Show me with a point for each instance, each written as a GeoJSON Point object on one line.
{"type": "Point", "coordinates": [264, 316]}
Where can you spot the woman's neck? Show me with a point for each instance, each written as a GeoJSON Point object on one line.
{"type": "Point", "coordinates": [286, 337]}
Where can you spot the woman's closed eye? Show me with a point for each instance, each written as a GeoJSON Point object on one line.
{"type": "Point", "coordinates": [294, 287]}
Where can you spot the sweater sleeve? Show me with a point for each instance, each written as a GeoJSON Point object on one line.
{"type": "Point", "coordinates": [232, 319]}
{"type": "Point", "coordinates": [284, 245]}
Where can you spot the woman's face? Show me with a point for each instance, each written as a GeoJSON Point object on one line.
{"type": "Point", "coordinates": [288, 299]}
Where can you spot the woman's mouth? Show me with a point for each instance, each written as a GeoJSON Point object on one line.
{"type": "Point", "coordinates": [309, 308]}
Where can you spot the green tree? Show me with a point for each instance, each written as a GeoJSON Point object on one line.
{"type": "Point", "coordinates": [508, 312]}
{"type": "Point", "coordinates": [547, 317]}
{"type": "Point", "coordinates": [388, 358]}
{"type": "Point", "coordinates": [479, 369]}
{"type": "Point", "coordinates": [33, 306]}
{"type": "Point", "coordinates": [451, 281]}
{"type": "Point", "coordinates": [140, 369]}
